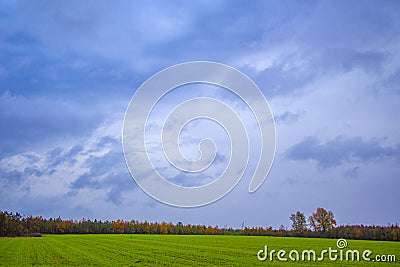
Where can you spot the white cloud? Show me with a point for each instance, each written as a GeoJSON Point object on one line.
{"type": "Point", "coordinates": [52, 173]}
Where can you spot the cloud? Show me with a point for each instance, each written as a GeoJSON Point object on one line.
{"type": "Point", "coordinates": [27, 122]}
{"type": "Point", "coordinates": [64, 171]}
{"type": "Point", "coordinates": [127, 33]}
{"type": "Point", "coordinates": [341, 150]}
{"type": "Point", "coordinates": [327, 68]}
{"type": "Point", "coordinates": [322, 39]}
{"type": "Point", "coordinates": [369, 61]}
{"type": "Point", "coordinates": [287, 117]}
{"type": "Point", "coordinates": [391, 83]}
{"type": "Point", "coordinates": [352, 172]}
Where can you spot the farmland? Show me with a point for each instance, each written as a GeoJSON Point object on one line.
{"type": "Point", "coordinates": [173, 250]}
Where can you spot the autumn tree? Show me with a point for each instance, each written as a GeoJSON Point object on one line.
{"type": "Point", "coordinates": [14, 224]}
{"type": "Point", "coordinates": [299, 223]}
{"type": "Point", "coordinates": [322, 220]}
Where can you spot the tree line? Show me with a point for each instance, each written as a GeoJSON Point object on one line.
{"type": "Point", "coordinates": [321, 224]}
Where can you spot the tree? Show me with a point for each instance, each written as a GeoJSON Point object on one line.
{"type": "Point", "coordinates": [299, 223]}
{"type": "Point", "coordinates": [322, 220]}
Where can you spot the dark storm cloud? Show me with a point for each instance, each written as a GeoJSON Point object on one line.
{"type": "Point", "coordinates": [320, 39]}
{"type": "Point", "coordinates": [26, 123]}
{"type": "Point", "coordinates": [341, 150]}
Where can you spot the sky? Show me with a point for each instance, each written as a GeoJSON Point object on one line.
{"type": "Point", "coordinates": [330, 71]}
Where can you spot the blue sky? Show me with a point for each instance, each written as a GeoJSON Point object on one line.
{"type": "Point", "coordinates": [329, 69]}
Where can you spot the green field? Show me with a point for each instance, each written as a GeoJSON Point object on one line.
{"type": "Point", "coordinates": [173, 250]}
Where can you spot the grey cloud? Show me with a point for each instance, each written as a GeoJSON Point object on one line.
{"type": "Point", "coordinates": [369, 61]}
{"type": "Point", "coordinates": [392, 83]}
{"type": "Point", "coordinates": [12, 178]}
{"type": "Point", "coordinates": [350, 24]}
{"type": "Point", "coordinates": [341, 150]}
{"type": "Point", "coordinates": [324, 38]}
{"type": "Point", "coordinates": [345, 59]}
{"type": "Point", "coordinates": [106, 171]}
{"type": "Point", "coordinates": [219, 158]}
{"type": "Point", "coordinates": [122, 31]}
{"type": "Point", "coordinates": [352, 172]}
{"type": "Point", "coordinates": [191, 180]}
{"type": "Point", "coordinates": [27, 165]}
{"type": "Point", "coordinates": [26, 121]}
{"type": "Point", "coordinates": [97, 171]}
{"type": "Point", "coordinates": [287, 117]}
{"type": "Point", "coordinates": [277, 81]}
{"type": "Point", "coordinates": [85, 180]}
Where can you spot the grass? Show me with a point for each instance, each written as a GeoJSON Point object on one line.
{"type": "Point", "coordinates": [170, 250]}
